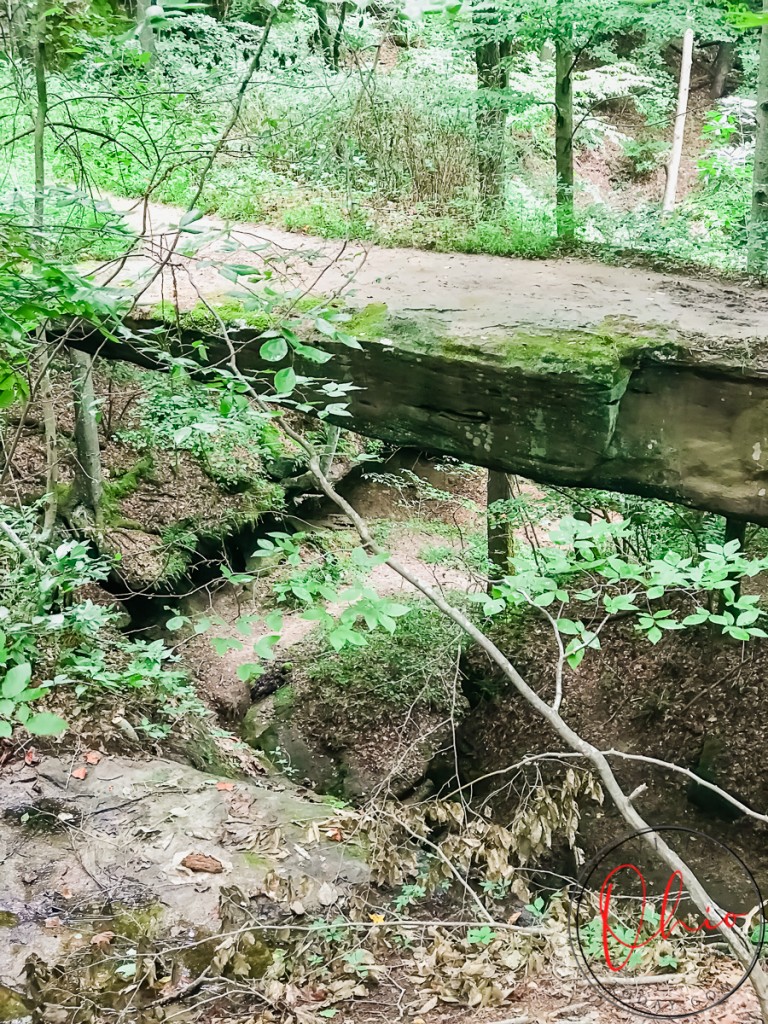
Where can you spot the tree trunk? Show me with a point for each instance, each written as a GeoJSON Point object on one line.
{"type": "Point", "coordinates": [324, 31]}
{"type": "Point", "coordinates": [44, 387]}
{"type": "Point", "coordinates": [146, 32]}
{"type": "Point", "coordinates": [88, 464]}
{"type": "Point", "coordinates": [501, 541]}
{"type": "Point", "coordinates": [758, 225]}
{"type": "Point", "coordinates": [720, 70]}
{"type": "Point", "coordinates": [673, 166]}
{"type": "Point", "coordinates": [564, 62]}
{"type": "Point", "coordinates": [491, 120]}
{"type": "Point", "coordinates": [338, 37]}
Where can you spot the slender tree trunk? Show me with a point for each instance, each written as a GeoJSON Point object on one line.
{"type": "Point", "coordinates": [146, 32]}
{"type": "Point", "coordinates": [332, 436]}
{"type": "Point", "coordinates": [44, 390]}
{"type": "Point", "coordinates": [721, 69]}
{"type": "Point", "coordinates": [501, 539]}
{"type": "Point", "coordinates": [88, 473]}
{"type": "Point", "coordinates": [324, 31]}
{"type": "Point", "coordinates": [758, 226]}
{"type": "Point", "coordinates": [51, 444]}
{"type": "Point", "coordinates": [564, 62]}
{"type": "Point", "coordinates": [338, 37]}
{"type": "Point", "coordinates": [673, 166]}
{"type": "Point", "coordinates": [41, 113]}
{"type": "Point", "coordinates": [491, 120]}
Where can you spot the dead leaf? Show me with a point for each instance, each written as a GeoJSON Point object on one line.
{"type": "Point", "coordinates": [30, 757]}
{"type": "Point", "coordinates": [202, 862]}
{"type": "Point", "coordinates": [327, 894]}
{"type": "Point", "coordinates": [80, 773]}
{"type": "Point", "coordinates": [53, 922]}
{"type": "Point", "coordinates": [335, 835]}
{"type": "Point", "coordinates": [297, 908]}
{"type": "Point", "coordinates": [225, 787]}
{"type": "Point", "coordinates": [103, 939]}
{"type": "Point", "coordinates": [93, 757]}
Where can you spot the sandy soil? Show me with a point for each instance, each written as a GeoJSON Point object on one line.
{"type": "Point", "coordinates": [473, 293]}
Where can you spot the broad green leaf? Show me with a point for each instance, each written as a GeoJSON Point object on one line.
{"type": "Point", "coordinates": [285, 381]}
{"type": "Point", "coordinates": [263, 646]}
{"type": "Point", "coordinates": [568, 627]}
{"type": "Point", "coordinates": [223, 644]}
{"type": "Point", "coordinates": [249, 671]}
{"type": "Point", "coordinates": [46, 724]}
{"type": "Point", "coordinates": [274, 350]}
{"type": "Point", "coordinates": [6, 730]}
{"type": "Point", "coordinates": [16, 680]}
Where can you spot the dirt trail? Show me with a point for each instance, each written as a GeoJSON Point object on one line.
{"type": "Point", "coordinates": [474, 293]}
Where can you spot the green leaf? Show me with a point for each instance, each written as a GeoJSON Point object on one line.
{"type": "Point", "coordinates": [176, 622]}
{"type": "Point", "coordinates": [46, 724]}
{"type": "Point", "coordinates": [274, 350]}
{"type": "Point", "coordinates": [190, 217]}
{"type": "Point", "coordinates": [16, 680]}
{"type": "Point", "coordinates": [285, 381]}
{"type": "Point", "coordinates": [696, 618]}
{"type": "Point", "coordinates": [263, 646]}
{"type": "Point", "coordinates": [6, 730]}
{"type": "Point", "coordinates": [182, 434]}
{"type": "Point", "coordinates": [6, 708]}
{"type": "Point", "coordinates": [568, 627]}
{"type": "Point", "coordinates": [249, 671]}
{"type": "Point", "coordinates": [223, 644]}
{"type": "Point", "coordinates": [315, 355]}
{"type": "Point", "coordinates": [576, 657]}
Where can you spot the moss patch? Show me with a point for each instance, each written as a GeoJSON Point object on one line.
{"type": "Point", "coordinates": [604, 356]}
{"type": "Point", "coordinates": [208, 317]}
{"type": "Point", "coordinates": [122, 484]}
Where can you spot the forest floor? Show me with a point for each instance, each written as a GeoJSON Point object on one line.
{"type": "Point", "coordinates": [472, 294]}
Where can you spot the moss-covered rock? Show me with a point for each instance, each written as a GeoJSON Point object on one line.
{"type": "Point", "coordinates": [353, 720]}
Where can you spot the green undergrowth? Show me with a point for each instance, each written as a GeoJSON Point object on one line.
{"type": "Point", "coordinates": [415, 664]}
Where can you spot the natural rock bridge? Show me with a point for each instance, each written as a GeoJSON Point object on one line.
{"type": "Point", "coordinates": [562, 371]}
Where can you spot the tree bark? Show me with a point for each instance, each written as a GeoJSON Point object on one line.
{"type": "Point", "coordinates": [500, 534]}
{"type": "Point", "coordinates": [721, 69]}
{"type": "Point", "coordinates": [491, 120]}
{"type": "Point", "coordinates": [146, 32]}
{"type": "Point", "coordinates": [673, 166]}
{"type": "Point", "coordinates": [44, 388]}
{"type": "Point", "coordinates": [564, 63]}
{"type": "Point", "coordinates": [323, 31]}
{"type": "Point", "coordinates": [757, 255]}
{"type": "Point", "coordinates": [89, 480]}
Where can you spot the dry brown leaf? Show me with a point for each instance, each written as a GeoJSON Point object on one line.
{"type": "Point", "coordinates": [225, 787]}
{"type": "Point", "coordinates": [93, 757]}
{"type": "Point", "coordinates": [327, 894]}
{"type": "Point", "coordinates": [103, 939]}
{"type": "Point", "coordinates": [80, 773]}
{"type": "Point", "coordinates": [30, 757]}
{"type": "Point", "coordinates": [202, 862]}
